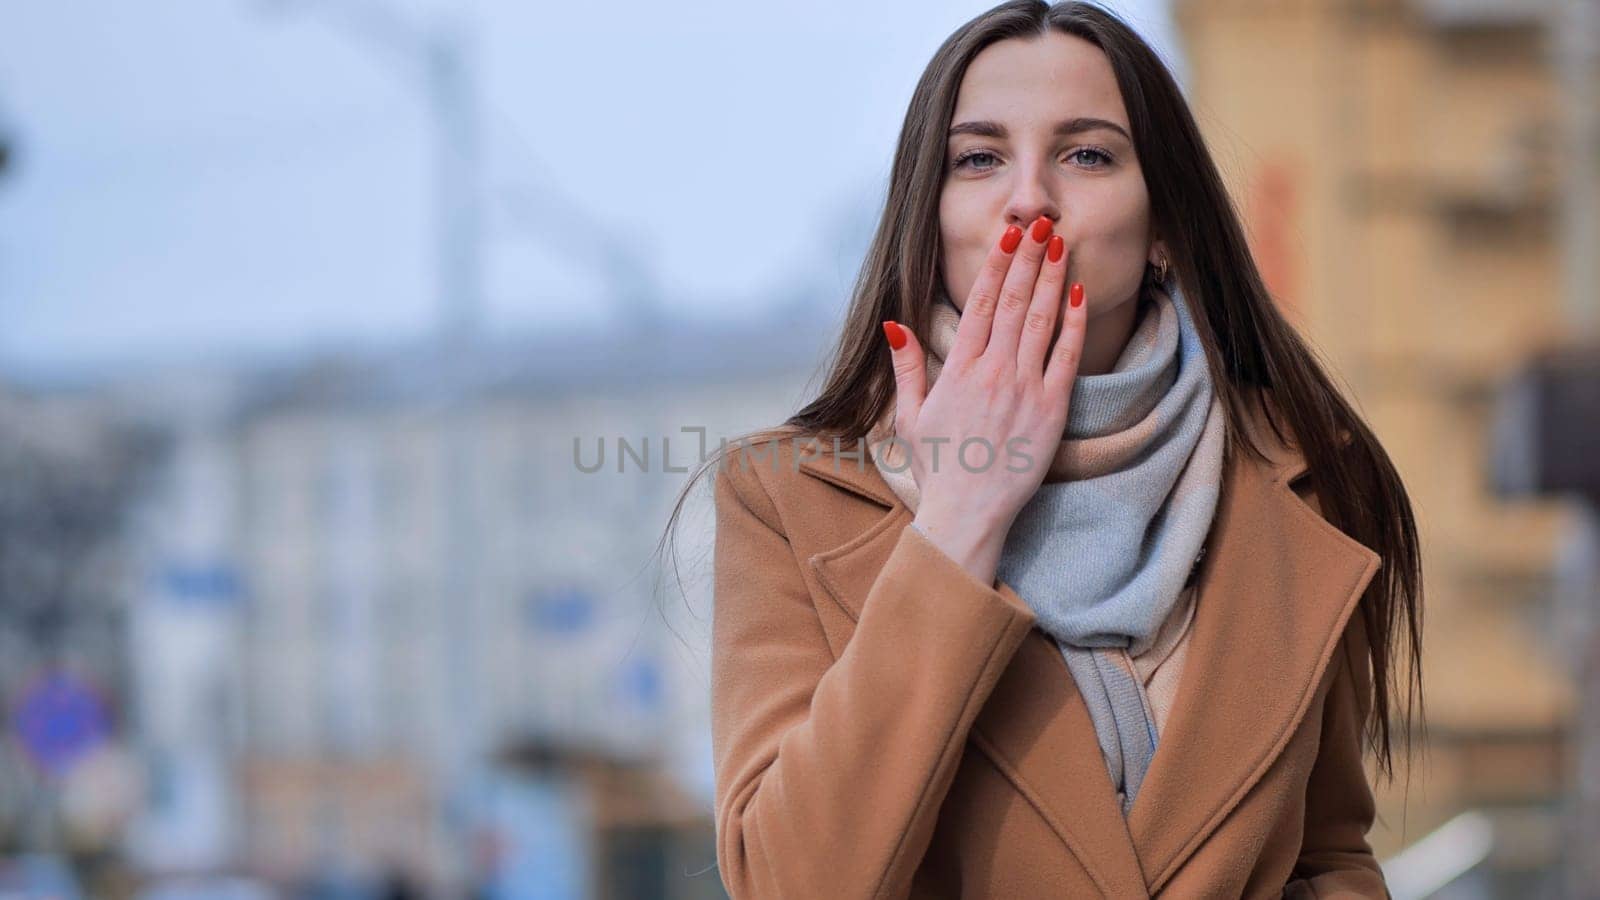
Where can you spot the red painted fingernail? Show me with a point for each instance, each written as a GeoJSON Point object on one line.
{"type": "Point", "coordinates": [895, 334]}
{"type": "Point", "coordinates": [1057, 245]}
{"type": "Point", "coordinates": [1010, 240]}
{"type": "Point", "coordinates": [1075, 296]}
{"type": "Point", "coordinates": [1041, 229]}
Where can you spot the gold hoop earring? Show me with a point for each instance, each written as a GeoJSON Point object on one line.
{"type": "Point", "coordinates": [1161, 268]}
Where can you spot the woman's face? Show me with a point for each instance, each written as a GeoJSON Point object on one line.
{"type": "Point", "coordinates": [1040, 129]}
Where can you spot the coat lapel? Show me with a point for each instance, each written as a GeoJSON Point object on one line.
{"type": "Point", "coordinates": [1250, 675]}
{"type": "Point", "coordinates": [1276, 592]}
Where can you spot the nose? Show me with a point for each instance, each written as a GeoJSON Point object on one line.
{"type": "Point", "coordinates": [1028, 204]}
{"type": "Point", "coordinates": [1024, 216]}
{"type": "Point", "coordinates": [1033, 194]}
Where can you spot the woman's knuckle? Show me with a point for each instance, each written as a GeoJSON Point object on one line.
{"type": "Point", "coordinates": [981, 302]}
{"type": "Point", "coordinates": [1014, 298]}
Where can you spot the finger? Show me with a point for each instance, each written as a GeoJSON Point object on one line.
{"type": "Point", "coordinates": [1068, 352]}
{"type": "Point", "coordinates": [977, 317]}
{"type": "Point", "coordinates": [1016, 294]}
{"type": "Point", "coordinates": [910, 373]}
{"type": "Point", "coordinates": [1040, 325]}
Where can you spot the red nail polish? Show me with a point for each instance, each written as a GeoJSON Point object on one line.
{"type": "Point", "coordinates": [1041, 229]}
{"type": "Point", "coordinates": [1057, 245]}
{"type": "Point", "coordinates": [1075, 296]}
{"type": "Point", "coordinates": [895, 334]}
{"type": "Point", "coordinates": [1010, 240]}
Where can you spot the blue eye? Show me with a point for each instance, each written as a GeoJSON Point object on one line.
{"type": "Point", "coordinates": [1096, 151]}
{"type": "Point", "coordinates": [962, 159]}
{"type": "Point", "coordinates": [1105, 158]}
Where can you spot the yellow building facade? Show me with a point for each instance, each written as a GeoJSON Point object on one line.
{"type": "Point", "coordinates": [1398, 166]}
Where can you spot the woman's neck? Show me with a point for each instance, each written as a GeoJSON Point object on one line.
{"type": "Point", "coordinates": [1108, 335]}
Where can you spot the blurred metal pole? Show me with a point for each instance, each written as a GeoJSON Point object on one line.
{"type": "Point", "coordinates": [1583, 869]}
{"type": "Point", "coordinates": [452, 89]}
{"type": "Point", "coordinates": [1576, 39]}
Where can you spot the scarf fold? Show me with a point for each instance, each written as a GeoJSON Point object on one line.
{"type": "Point", "coordinates": [1104, 550]}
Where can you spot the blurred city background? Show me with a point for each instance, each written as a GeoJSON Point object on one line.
{"type": "Point", "coordinates": [310, 305]}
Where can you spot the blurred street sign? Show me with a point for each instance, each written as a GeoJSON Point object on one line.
{"type": "Point", "coordinates": [562, 610]}
{"type": "Point", "coordinates": [201, 584]}
{"type": "Point", "coordinates": [58, 721]}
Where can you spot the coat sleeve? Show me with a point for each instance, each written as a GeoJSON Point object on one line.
{"type": "Point", "coordinates": [1335, 859]}
{"type": "Point", "coordinates": [829, 772]}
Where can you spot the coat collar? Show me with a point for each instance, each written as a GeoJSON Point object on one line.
{"type": "Point", "coordinates": [1251, 672]}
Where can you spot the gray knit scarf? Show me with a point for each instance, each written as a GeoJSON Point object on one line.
{"type": "Point", "coordinates": [1103, 551]}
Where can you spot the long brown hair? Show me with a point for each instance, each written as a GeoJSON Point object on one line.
{"type": "Point", "coordinates": [1248, 343]}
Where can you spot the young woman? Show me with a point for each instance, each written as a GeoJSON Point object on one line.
{"type": "Point", "coordinates": [1078, 577]}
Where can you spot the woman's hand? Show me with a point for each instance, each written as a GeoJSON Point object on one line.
{"type": "Point", "coordinates": [982, 440]}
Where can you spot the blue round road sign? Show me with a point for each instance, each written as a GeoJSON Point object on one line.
{"type": "Point", "coordinates": [58, 721]}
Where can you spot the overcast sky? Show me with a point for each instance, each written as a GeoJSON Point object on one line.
{"type": "Point", "coordinates": [208, 177]}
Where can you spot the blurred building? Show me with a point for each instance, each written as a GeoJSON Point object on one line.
{"type": "Point", "coordinates": [379, 582]}
{"type": "Point", "coordinates": [1398, 165]}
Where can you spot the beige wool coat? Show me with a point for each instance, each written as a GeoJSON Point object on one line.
{"type": "Point", "coordinates": [884, 725]}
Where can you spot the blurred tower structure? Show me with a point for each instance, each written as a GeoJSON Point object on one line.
{"type": "Point", "coordinates": [1400, 167]}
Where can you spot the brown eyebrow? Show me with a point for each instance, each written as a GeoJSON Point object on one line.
{"type": "Point", "coordinates": [986, 128]}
